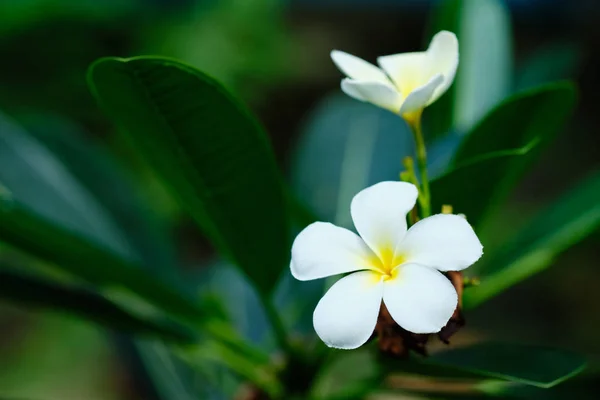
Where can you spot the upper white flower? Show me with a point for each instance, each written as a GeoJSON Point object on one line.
{"type": "Point", "coordinates": [399, 266]}
{"type": "Point", "coordinates": [413, 80]}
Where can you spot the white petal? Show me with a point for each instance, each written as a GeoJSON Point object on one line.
{"type": "Point", "coordinates": [421, 96]}
{"type": "Point", "coordinates": [442, 57]}
{"type": "Point", "coordinates": [443, 241]}
{"type": "Point", "coordinates": [381, 94]}
{"type": "Point", "coordinates": [379, 214]}
{"type": "Point", "coordinates": [323, 249]}
{"type": "Point", "coordinates": [357, 68]}
{"type": "Point", "coordinates": [346, 315]}
{"type": "Point", "coordinates": [407, 70]}
{"type": "Point", "coordinates": [420, 299]}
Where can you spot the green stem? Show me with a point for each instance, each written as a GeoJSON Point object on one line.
{"type": "Point", "coordinates": [424, 194]}
{"type": "Point", "coordinates": [277, 325]}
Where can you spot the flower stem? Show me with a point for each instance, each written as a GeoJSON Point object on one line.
{"type": "Point", "coordinates": [424, 194]}
{"type": "Point", "coordinates": [276, 324]}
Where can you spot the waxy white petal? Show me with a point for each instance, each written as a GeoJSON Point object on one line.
{"type": "Point", "coordinates": [383, 95]}
{"type": "Point", "coordinates": [410, 71]}
{"type": "Point", "coordinates": [379, 213]}
{"type": "Point", "coordinates": [346, 315]}
{"type": "Point", "coordinates": [443, 241]}
{"type": "Point", "coordinates": [323, 249]}
{"type": "Point", "coordinates": [442, 58]}
{"type": "Point", "coordinates": [420, 299]}
{"type": "Point", "coordinates": [420, 97]}
{"type": "Point", "coordinates": [406, 70]}
{"type": "Point", "coordinates": [357, 68]}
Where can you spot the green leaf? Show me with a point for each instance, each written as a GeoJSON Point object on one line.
{"type": "Point", "coordinates": [508, 140]}
{"type": "Point", "coordinates": [484, 75]}
{"type": "Point", "coordinates": [551, 62]}
{"type": "Point", "coordinates": [41, 293]}
{"type": "Point", "coordinates": [346, 146]}
{"type": "Point", "coordinates": [562, 224]}
{"type": "Point", "coordinates": [37, 179]}
{"type": "Point", "coordinates": [347, 375]}
{"type": "Point", "coordinates": [100, 174]}
{"type": "Point", "coordinates": [25, 230]}
{"type": "Point", "coordinates": [208, 150]}
{"type": "Point", "coordinates": [532, 365]}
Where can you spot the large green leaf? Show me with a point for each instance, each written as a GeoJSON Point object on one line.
{"type": "Point", "coordinates": [508, 140]}
{"type": "Point", "coordinates": [25, 230]}
{"type": "Point", "coordinates": [45, 294]}
{"type": "Point", "coordinates": [209, 151]}
{"type": "Point", "coordinates": [484, 74]}
{"type": "Point", "coordinates": [532, 365]}
{"type": "Point", "coordinates": [563, 223]}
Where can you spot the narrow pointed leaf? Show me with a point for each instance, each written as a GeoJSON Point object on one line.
{"type": "Point", "coordinates": [532, 365]}
{"type": "Point", "coordinates": [563, 223]}
{"type": "Point", "coordinates": [508, 140]}
{"type": "Point", "coordinates": [484, 74]}
{"type": "Point", "coordinates": [209, 151]}
{"type": "Point", "coordinates": [23, 229]}
{"type": "Point", "coordinates": [100, 173]}
{"type": "Point", "coordinates": [44, 294]}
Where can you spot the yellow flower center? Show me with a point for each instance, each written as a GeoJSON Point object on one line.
{"type": "Point", "coordinates": [385, 263]}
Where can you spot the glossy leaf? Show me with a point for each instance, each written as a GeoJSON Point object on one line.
{"type": "Point", "coordinates": [508, 140]}
{"type": "Point", "coordinates": [209, 151]}
{"type": "Point", "coordinates": [562, 224]}
{"type": "Point", "coordinates": [44, 294]}
{"type": "Point", "coordinates": [531, 365]}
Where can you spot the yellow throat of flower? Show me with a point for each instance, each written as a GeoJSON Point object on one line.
{"type": "Point", "coordinates": [385, 263]}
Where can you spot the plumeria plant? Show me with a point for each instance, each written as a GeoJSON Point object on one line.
{"type": "Point", "coordinates": [390, 321]}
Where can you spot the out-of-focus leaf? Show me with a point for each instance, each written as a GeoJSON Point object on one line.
{"type": "Point", "coordinates": [36, 178]}
{"type": "Point", "coordinates": [532, 365]}
{"type": "Point", "coordinates": [172, 378]}
{"type": "Point", "coordinates": [53, 347]}
{"type": "Point", "coordinates": [209, 151]}
{"type": "Point", "coordinates": [41, 293]}
{"type": "Point", "coordinates": [98, 171]}
{"type": "Point", "coordinates": [239, 299]}
{"type": "Point", "coordinates": [565, 222]}
{"type": "Point", "coordinates": [23, 229]}
{"type": "Point", "coordinates": [484, 75]}
{"type": "Point", "coordinates": [549, 63]}
{"type": "Point", "coordinates": [348, 375]}
{"type": "Point", "coordinates": [508, 140]}
{"type": "Point", "coordinates": [346, 146]}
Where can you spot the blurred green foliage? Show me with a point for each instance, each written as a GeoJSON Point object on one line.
{"type": "Point", "coordinates": [97, 226]}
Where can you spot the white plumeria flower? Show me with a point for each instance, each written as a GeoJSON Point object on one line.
{"type": "Point", "coordinates": [406, 82]}
{"type": "Point", "coordinates": [388, 262]}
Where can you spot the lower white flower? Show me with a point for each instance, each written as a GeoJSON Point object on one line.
{"type": "Point", "coordinates": [390, 263]}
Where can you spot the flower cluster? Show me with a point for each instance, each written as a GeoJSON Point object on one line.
{"type": "Point", "coordinates": [390, 263]}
